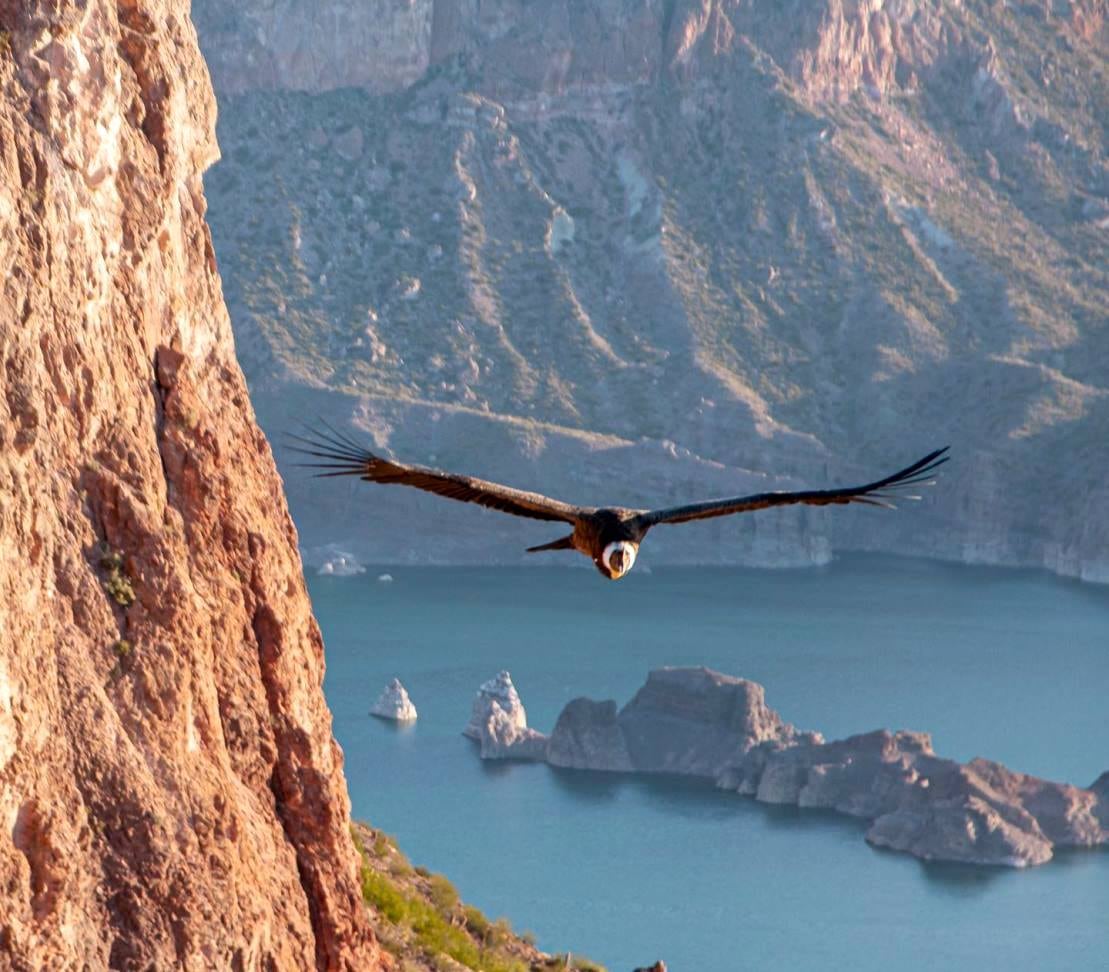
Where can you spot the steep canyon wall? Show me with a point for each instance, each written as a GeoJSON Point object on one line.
{"type": "Point", "coordinates": [170, 792]}
{"type": "Point", "coordinates": [643, 252]}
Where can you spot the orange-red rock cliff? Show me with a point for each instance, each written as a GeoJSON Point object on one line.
{"type": "Point", "coordinates": [170, 792]}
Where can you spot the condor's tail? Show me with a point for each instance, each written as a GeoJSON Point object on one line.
{"type": "Point", "coordinates": [565, 543]}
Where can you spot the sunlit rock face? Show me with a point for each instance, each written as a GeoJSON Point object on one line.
{"type": "Point", "coordinates": [587, 736]}
{"type": "Point", "coordinates": [170, 792]}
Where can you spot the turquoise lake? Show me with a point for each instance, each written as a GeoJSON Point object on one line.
{"type": "Point", "coordinates": [1012, 665]}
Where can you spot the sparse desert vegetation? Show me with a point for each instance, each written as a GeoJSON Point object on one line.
{"type": "Point", "coordinates": [420, 919]}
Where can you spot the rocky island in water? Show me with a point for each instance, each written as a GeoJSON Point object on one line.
{"type": "Point", "coordinates": [700, 723]}
{"type": "Point", "coordinates": [394, 704]}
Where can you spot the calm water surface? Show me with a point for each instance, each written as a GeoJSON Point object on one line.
{"type": "Point", "coordinates": [1007, 664]}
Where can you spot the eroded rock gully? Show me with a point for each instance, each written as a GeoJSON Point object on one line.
{"type": "Point", "coordinates": [170, 792]}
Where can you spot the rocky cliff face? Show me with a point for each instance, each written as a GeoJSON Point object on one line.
{"type": "Point", "coordinates": [637, 253]}
{"type": "Point", "coordinates": [170, 792]}
{"type": "Point", "coordinates": [697, 721]}
{"type": "Point", "coordinates": [381, 45]}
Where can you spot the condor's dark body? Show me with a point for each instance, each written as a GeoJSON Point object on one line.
{"type": "Point", "coordinates": [599, 530]}
{"type": "Point", "coordinates": [595, 531]}
{"type": "Point", "coordinates": [609, 536]}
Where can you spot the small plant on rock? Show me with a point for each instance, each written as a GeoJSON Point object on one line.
{"type": "Point", "coordinates": [443, 894]}
{"type": "Point", "coordinates": [116, 581]}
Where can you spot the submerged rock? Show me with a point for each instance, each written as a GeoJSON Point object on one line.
{"type": "Point", "coordinates": [696, 722]}
{"type": "Point", "coordinates": [394, 703]}
{"type": "Point", "coordinates": [500, 724]}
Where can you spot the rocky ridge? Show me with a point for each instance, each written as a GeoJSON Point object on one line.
{"type": "Point", "coordinates": [699, 723]}
{"type": "Point", "coordinates": [170, 792]}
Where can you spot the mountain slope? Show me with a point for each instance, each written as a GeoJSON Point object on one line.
{"type": "Point", "coordinates": [644, 254]}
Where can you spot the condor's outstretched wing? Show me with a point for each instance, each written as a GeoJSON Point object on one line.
{"type": "Point", "coordinates": [341, 455]}
{"type": "Point", "coordinates": [878, 493]}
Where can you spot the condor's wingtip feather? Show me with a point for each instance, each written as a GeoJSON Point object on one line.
{"type": "Point", "coordinates": [920, 473]}
{"type": "Point", "coordinates": [345, 457]}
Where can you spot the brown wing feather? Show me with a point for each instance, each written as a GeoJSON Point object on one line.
{"type": "Point", "coordinates": [342, 456]}
{"type": "Point", "coordinates": [873, 494]}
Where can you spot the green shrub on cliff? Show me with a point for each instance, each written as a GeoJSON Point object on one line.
{"type": "Point", "coordinates": [443, 894]}
{"type": "Point", "coordinates": [422, 921]}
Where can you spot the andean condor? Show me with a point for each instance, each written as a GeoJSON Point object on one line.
{"type": "Point", "coordinates": [610, 536]}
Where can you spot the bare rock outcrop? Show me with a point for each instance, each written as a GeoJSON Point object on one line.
{"type": "Point", "coordinates": [502, 738]}
{"type": "Point", "coordinates": [170, 792]}
{"type": "Point", "coordinates": [501, 693]}
{"type": "Point", "coordinates": [1100, 786]}
{"type": "Point", "coordinates": [696, 722]}
{"type": "Point", "coordinates": [499, 723]}
{"type": "Point", "coordinates": [691, 721]}
{"type": "Point", "coordinates": [394, 703]}
{"type": "Point", "coordinates": [588, 736]}
{"type": "Point", "coordinates": [831, 48]}
{"type": "Point", "coordinates": [934, 808]}
{"type": "Point", "coordinates": [382, 45]}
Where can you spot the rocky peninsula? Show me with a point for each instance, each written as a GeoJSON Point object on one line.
{"type": "Point", "coordinates": [699, 723]}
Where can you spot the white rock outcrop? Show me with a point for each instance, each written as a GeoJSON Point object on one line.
{"type": "Point", "coordinates": [394, 703]}
{"type": "Point", "coordinates": [502, 738]}
{"type": "Point", "coordinates": [499, 692]}
{"type": "Point", "coordinates": [500, 724]}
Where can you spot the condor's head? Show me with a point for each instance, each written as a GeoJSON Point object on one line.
{"type": "Point", "coordinates": [617, 559]}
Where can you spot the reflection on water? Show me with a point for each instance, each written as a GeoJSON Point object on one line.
{"type": "Point", "coordinates": [1007, 664]}
{"type": "Point", "coordinates": [398, 728]}
{"type": "Point", "coordinates": [587, 785]}
{"type": "Point", "coordinates": [491, 767]}
{"type": "Point", "coordinates": [960, 878]}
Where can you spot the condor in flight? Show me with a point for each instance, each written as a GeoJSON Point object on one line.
{"type": "Point", "coordinates": [609, 536]}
